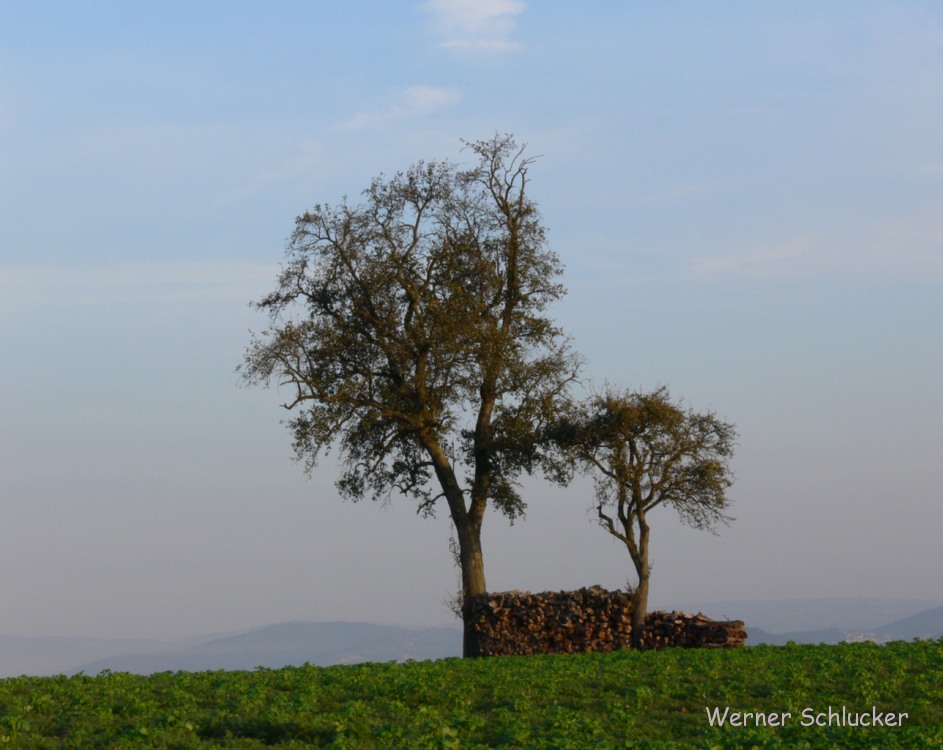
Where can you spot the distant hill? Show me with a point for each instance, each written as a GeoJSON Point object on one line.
{"type": "Point", "coordinates": [294, 644]}
{"type": "Point", "coordinates": [326, 643]}
{"type": "Point", "coordinates": [275, 646]}
{"type": "Point", "coordinates": [41, 656]}
{"type": "Point", "coordinates": [799, 615]}
{"type": "Point", "coordinates": [926, 624]}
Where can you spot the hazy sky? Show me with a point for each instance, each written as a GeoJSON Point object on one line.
{"type": "Point", "coordinates": [747, 198]}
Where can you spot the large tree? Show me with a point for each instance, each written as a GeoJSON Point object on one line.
{"type": "Point", "coordinates": [646, 451]}
{"type": "Point", "coordinates": [412, 330]}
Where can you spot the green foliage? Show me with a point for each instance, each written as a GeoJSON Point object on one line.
{"type": "Point", "coordinates": [647, 451]}
{"type": "Point", "coordinates": [411, 329]}
{"type": "Point", "coordinates": [644, 451]}
{"type": "Point", "coordinates": [653, 699]}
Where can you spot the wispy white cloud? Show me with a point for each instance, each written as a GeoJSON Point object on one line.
{"type": "Point", "coordinates": [46, 286]}
{"type": "Point", "coordinates": [901, 247]}
{"type": "Point", "coordinates": [221, 161]}
{"type": "Point", "coordinates": [933, 170]}
{"type": "Point", "coordinates": [673, 195]}
{"type": "Point", "coordinates": [477, 25]}
{"type": "Point", "coordinates": [786, 259]}
{"type": "Point", "coordinates": [408, 103]}
{"type": "Point", "coordinates": [153, 147]}
{"type": "Point", "coordinates": [295, 160]}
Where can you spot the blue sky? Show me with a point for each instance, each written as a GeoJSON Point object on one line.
{"type": "Point", "coordinates": [746, 196]}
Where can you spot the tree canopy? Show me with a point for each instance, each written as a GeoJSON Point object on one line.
{"type": "Point", "coordinates": [646, 451]}
{"type": "Point", "coordinates": [412, 329]}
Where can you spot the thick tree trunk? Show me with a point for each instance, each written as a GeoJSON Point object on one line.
{"type": "Point", "coordinates": [467, 524]}
{"type": "Point", "coordinates": [473, 581]}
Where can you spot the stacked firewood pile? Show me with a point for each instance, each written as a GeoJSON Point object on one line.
{"type": "Point", "coordinates": [665, 629]}
{"type": "Point", "coordinates": [591, 619]}
{"type": "Point", "coordinates": [514, 622]}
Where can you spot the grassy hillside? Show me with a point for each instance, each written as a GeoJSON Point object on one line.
{"type": "Point", "coordinates": [641, 700]}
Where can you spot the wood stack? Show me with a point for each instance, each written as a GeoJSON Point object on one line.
{"type": "Point", "coordinates": [677, 629]}
{"type": "Point", "coordinates": [591, 619]}
{"type": "Point", "coordinates": [514, 622]}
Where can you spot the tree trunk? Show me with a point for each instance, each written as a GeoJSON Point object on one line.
{"type": "Point", "coordinates": [640, 610]}
{"type": "Point", "coordinates": [643, 569]}
{"type": "Point", "coordinates": [473, 580]}
{"type": "Point", "coordinates": [467, 524]}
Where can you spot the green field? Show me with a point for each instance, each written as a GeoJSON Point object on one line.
{"type": "Point", "coordinates": [624, 699]}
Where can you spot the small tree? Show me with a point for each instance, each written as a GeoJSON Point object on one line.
{"type": "Point", "coordinates": [411, 330]}
{"type": "Point", "coordinates": [645, 451]}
